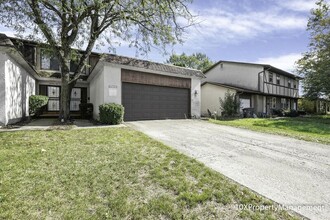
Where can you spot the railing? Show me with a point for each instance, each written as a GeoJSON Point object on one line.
{"type": "Point", "coordinates": [276, 89]}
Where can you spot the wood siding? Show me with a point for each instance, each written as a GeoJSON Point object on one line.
{"type": "Point", "coordinates": [131, 76]}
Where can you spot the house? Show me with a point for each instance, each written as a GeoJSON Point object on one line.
{"type": "Point", "coordinates": [259, 86]}
{"type": "Point", "coordinates": [147, 90]}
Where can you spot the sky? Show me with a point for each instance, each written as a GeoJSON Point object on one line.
{"type": "Point", "coordinates": [258, 31]}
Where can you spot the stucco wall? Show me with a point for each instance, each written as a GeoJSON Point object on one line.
{"type": "Point", "coordinates": [19, 86]}
{"type": "Point", "coordinates": [210, 98]}
{"type": "Point", "coordinates": [236, 74]}
{"type": "Point", "coordinates": [2, 89]}
{"type": "Point", "coordinates": [96, 92]}
{"type": "Point", "coordinates": [112, 84]}
{"type": "Point", "coordinates": [196, 97]}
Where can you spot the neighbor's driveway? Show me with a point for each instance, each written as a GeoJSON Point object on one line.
{"type": "Point", "coordinates": [286, 170]}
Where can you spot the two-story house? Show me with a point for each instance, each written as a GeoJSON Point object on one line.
{"type": "Point", "coordinates": [259, 86]}
{"type": "Point", "coordinates": [147, 90]}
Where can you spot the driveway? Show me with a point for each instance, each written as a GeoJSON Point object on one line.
{"type": "Point", "coordinates": [291, 172]}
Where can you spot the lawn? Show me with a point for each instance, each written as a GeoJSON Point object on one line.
{"type": "Point", "coordinates": [113, 173]}
{"type": "Point", "coordinates": [315, 129]}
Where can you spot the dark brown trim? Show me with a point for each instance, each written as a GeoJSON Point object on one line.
{"type": "Point", "coordinates": [137, 77]}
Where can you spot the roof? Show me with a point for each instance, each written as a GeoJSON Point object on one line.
{"type": "Point", "coordinates": [122, 60]}
{"type": "Point", "coordinates": [265, 66]}
{"type": "Point", "coordinates": [240, 89]}
{"type": "Point", "coordinates": [128, 61]}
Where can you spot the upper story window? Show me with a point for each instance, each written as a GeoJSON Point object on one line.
{"type": "Point", "coordinates": [289, 83]}
{"type": "Point", "coordinates": [294, 84]}
{"type": "Point", "coordinates": [48, 61]}
{"type": "Point", "coordinates": [270, 77]}
{"type": "Point", "coordinates": [278, 80]}
{"type": "Point", "coordinates": [74, 66]}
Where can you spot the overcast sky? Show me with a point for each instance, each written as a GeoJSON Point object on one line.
{"type": "Point", "coordinates": [261, 31]}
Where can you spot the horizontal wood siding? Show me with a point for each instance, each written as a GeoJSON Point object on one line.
{"type": "Point", "coordinates": [131, 76]}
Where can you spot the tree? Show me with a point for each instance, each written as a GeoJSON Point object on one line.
{"type": "Point", "coordinates": [195, 61]}
{"type": "Point", "coordinates": [65, 24]}
{"type": "Point", "coordinates": [230, 105]}
{"type": "Point", "coordinates": [315, 64]}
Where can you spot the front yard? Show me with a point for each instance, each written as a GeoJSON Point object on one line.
{"type": "Point", "coordinates": [315, 128]}
{"type": "Point", "coordinates": [114, 173]}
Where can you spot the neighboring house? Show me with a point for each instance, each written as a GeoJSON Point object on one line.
{"type": "Point", "coordinates": [259, 86]}
{"type": "Point", "coordinates": [146, 89]}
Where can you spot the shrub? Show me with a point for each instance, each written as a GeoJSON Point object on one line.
{"type": "Point", "coordinates": [291, 113]}
{"type": "Point", "coordinates": [230, 105]}
{"type": "Point", "coordinates": [277, 112]}
{"type": "Point", "coordinates": [36, 102]}
{"type": "Point", "coordinates": [111, 113]}
{"type": "Point", "coordinates": [306, 105]}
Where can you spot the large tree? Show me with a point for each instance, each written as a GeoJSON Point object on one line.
{"type": "Point", "coordinates": [64, 24]}
{"type": "Point", "coordinates": [315, 64]}
{"type": "Point", "coordinates": [196, 61]}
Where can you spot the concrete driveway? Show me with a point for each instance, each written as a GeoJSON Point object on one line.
{"type": "Point", "coordinates": [291, 172]}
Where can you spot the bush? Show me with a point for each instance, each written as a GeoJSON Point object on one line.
{"type": "Point", "coordinates": [277, 112]}
{"type": "Point", "coordinates": [291, 113]}
{"type": "Point", "coordinates": [230, 105]}
{"type": "Point", "coordinates": [36, 102]}
{"type": "Point", "coordinates": [111, 113]}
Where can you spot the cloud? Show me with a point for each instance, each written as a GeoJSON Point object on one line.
{"type": "Point", "coordinates": [297, 5]}
{"type": "Point", "coordinates": [285, 62]}
{"type": "Point", "coordinates": [227, 26]}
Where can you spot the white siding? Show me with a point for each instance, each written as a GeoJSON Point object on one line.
{"type": "Point", "coordinates": [210, 98]}
{"type": "Point", "coordinates": [236, 74]}
{"type": "Point", "coordinates": [18, 85]}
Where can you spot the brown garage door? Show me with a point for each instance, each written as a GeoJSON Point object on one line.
{"type": "Point", "coordinates": [149, 102]}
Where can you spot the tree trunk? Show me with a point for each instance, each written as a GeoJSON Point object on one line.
{"type": "Point", "coordinates": [65, 99]}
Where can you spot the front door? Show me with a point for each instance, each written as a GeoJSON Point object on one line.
{"type": "Point", "coordinates": [75, 99]}
{"type": "Point", "coordinates": [54, 98]}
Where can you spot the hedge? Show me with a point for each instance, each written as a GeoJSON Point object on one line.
{"type": "Point", "coordinates": [111, 113]}
{"type": "Point", "coordinates": [36, 102]}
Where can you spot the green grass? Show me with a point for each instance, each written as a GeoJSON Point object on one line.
{"type": "Point", "coordinates": [113, 173]}
{"type": "Point", "coordinates": [315, 129]}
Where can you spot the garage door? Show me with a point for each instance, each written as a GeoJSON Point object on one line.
{"type": "Point", "coordinates": [149, 102]}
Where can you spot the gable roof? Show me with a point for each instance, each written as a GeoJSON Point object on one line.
{"type": "Point", "coordinates": [265, 66]}
{"type": "Point", "coordinates": [128, 61]}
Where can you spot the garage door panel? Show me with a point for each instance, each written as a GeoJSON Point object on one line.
{"type": "Point", "coordinates": [144, 102]}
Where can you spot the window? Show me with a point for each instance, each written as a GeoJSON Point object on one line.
{"type": "Point", "coordinates": [289, 83]}
{"type": "Point", "coordinates": [278, 80]}
{"type": "Point", "coordinates": [294, 85]}
{"type": "Point", "coordinates": [284, 103]}
{"type": "Point", "coordinates": [272, 102]}
{"type": "Point", "coordinates": [48, 61]}
{"type": "Point", "coordinates": [74, 66]}
{"type": "Point", "coordinates": [270, 77]}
